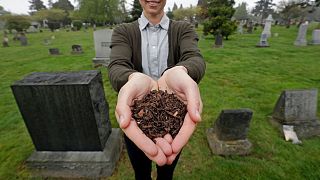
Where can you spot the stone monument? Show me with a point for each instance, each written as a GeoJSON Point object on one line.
{"type": "Point", "coordinates": [267, 26]}
{"type": "Point", "coordinates": [54, 51]}
{"type": "Point", "coordinates": [23, 39]}
{"type": "Point", "coordinates": [316, 37]}
{"type": "Point", "coordinates": [76, 49]}
{"type": "Point", "coordinates": [102, 42]}
{"type": "Point", "coordinates": [68, 120]}
{"type": "Point", "coordinates": [301, 38]}
{"type": "Point", "coordinates": [229, 133]}
{"type": "Point", "coordinates": [297, 108]}
{"type": "Point", "coordinates": [5, 42]}
{"type": "Point", "coordinates": [263, 41]}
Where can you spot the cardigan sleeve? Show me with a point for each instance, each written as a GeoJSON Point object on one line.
{"type": "Point", "coordinates": [120, 66]}
{"type": "Point", "coordinates": [190, 56]}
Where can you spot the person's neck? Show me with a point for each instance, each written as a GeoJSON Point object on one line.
{"type": "Point", "coordinates": [154, 19]}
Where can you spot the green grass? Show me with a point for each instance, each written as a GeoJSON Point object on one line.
{"type": "Point", "coordinates": [237, 76]}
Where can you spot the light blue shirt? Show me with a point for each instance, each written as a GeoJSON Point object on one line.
{"type": "Point", "coordinates": [154, 46]}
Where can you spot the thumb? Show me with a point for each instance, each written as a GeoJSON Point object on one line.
{"type": "Point", "coordinates": [123, 115]}
{"type": "Point", "coordinates": [194, 105]}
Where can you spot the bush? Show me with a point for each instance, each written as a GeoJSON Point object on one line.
{"type": "Point", "coordinates": [53, 25]}
{"type": "Point", "coordinates": [77, 25]}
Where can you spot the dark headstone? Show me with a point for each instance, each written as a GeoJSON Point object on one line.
{"type": "Point", "coordinates": [68, 120]}
{"type": "Point", "coordinates": [76, 49]}
{"type": "Point", "coordinates": [23, 39]}
{"type": "Point", "coordinates": [250, 27]}
{"type": "Point", "coordinates": [229, 133]}
{"type": "Point", "coordinates": [218, 41]}
{"type": "Point", "coordinates": [54, 51]}
{"type": "Point", "coordinates": [297, 108]}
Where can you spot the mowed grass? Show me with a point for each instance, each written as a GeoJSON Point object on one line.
{"type": "Point", "coordinates": [237, 76]}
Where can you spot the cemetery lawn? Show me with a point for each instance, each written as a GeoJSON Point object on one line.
{"type": "Point", "coordinates": [237, 76]}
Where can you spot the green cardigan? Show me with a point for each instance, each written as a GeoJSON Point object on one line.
{"type": "Point", "coordinates": [126, 51]}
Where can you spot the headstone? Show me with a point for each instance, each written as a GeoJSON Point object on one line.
{"type": "Point", "coordinates": [316, 37]}
{"type": "Point", "coordinates": [229, 133]}
{"type": "Point", "coordinates": [218, 43]}
{"type": "Point", "coordinates": [68, 120]}
{"type": "Point", "coordinates": [5, 42]}
{"type": "Point", "coordinates": [297, 108]}
{"type": "Point", "coordinates": [240, 27]}
{"type": "Point", "coordinates": [263, 41]}
{"type": "Point", "coordinates": [102, 42]}
{"type": "Point", "coordinates": [46, 42]}
{"type": "Point", "coordinates": [16, 36]}
{"type": "Point", "coordinates": [23, 39]}
{"type": "Point", "coordinates": [301, 38]}
{"type": "Point", "coordinates": [267, 26]}
{"type": "Point", "coordinates": [76, 49]}
{"type": "Point", "coordinates": [250, 27]}
{"type": "Point", "coordinates": [54, 51]}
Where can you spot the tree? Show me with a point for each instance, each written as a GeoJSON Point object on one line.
{"type": "Point", "coordinates": [50, 3]}
{"type": "Point", "coordinates": [241, 12]}
{"type": "Point", "coordinates": [3, 12]}
{"type": "Point", "coordinates": [36, 5]}
{"type": "Point", "coordinates": [181, 14]}
{"type": "Point", "coordinates": [263, 8]}
{"type": "Point", "coordinates": [64, 5]}
{"type": "Point", "coordinates": [218, 18]}
{"type": "Point", "coordinates": [136, 10]}
{"type": "Point", "coordinates": [54, 16]}
{"type": "Point", "coordinates": [175, 7]}
{"type": "Point", "coordinates": [181, 7]}
{"type": "Point", "coordinates": [17, 22]}
{"type": "Point", "coordinates": [170, 14]}
{"type": "Point", "coordinates": [289, 10]}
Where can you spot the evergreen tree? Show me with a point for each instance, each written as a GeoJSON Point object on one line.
{"type": "Point", "coordinates": [170, 14]}
{"type": "Point", "coordinates": [64, 5]}
{"type": "Point", "coordinates": [181, 7]}
{"type": "Point", "coordinates": [136, 10]}
{"type": "Point", "coordinates": [218, 18]}
{"type": "Point", "coordinates": [263, 8]}
{"type": "Point", "coordinates": [175, 7]}
{"type": "Point", "coordinates": [36, 5]}
{"type": "Point", "coordinates": [241, 12]}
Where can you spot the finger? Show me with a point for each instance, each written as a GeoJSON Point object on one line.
{"type": "Point", "coordinates": [159, 158]}
{"type": "Point", "coordinates": [184, 134]}
{"type": "Point", "coordinates": [164, 146]}
{"type": "Point", "coordinates": [123, 115]}
{"type": "Point", "coordinates": [168, 138]}
{"type": "Point", "coordinates": [144, 143]}
{"type": "Point", "coordinates": [171, 158]}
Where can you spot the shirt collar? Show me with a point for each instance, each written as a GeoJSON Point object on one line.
{"type": "Point", "coordinates": [144, 22]}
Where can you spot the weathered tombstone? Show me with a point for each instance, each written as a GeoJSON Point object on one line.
{"type": "Point", "coordinates": [68, 120]}
{"type": "Point", "coordinates": [102, 42]}
{"type": "Point", "coordinates": [267, 26]}
{"type": "Point", "coordinates": [229, 133]}
{"type": "Point", "coordinates": [240, 27]}
{"type": "Point", "coordinates": [218, 43]}
{"type": "Point", "coordinates": [301, 38]}
{"type": "Point", "coordinates": [76, 49]}
{"type": "Point", "coordinates": [23, 39]}
{"type": "Point", "coordinates": [250, 27]}
{"type": "Point", "coordinates": [297, 108]}
{"type": "Point", "coordinates": [316, 37]}
{"type": "Point", "coordinates": [54, 51]}
{"type": "Point", "coordinates": [263, 41]}
{"type": "Point", "coordinates": [5, 42]}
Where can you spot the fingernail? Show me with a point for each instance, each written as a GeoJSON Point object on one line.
{"type": "Point", "coordinates": [121, 118]}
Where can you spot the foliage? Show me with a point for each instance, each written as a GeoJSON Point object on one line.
{"type": "Point", "coordinates": [218, 18]}
{"type": "Point", "coordinates": [289, 10]}
{"type": "Point", "coordinates": [241, 12]}
{"type": "Point", "coordinates": [17, 22]}
{"type": "Point", "coordinates": [175, 6]}
{"type": "Point", "coordinates": [136, 10]}
{"type": "Point", "coordinates": [36, 5]}
{"type": "Point", "coordinates": [170, 14]}
{"type": "Point", "coordinates": [188, 13]}
{"type": "Point", "coordinates": [63, 4]}
{"type": "Point", "coordinates": [77, 24]}
{"type": "Point", "coordinates": [3, 12]}
{"type": "Point", "coordinates": [51, 15]}
{"type": "Point", "coordinates": [263, 8]}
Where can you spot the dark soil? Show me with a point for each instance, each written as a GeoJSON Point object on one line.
{"type": "Point", "coordinates": [159, 113]}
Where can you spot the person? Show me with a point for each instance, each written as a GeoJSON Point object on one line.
{"type": "Point", "coordinates": [150, 53]}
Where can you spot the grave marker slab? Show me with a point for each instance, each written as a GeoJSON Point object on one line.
{"type": "Point", "coordinates": [229, 133]}
{"type": "Point", "coordinates": [102, 42]}
{"type": "Point", "coordinates": [316, 37]}
{"type": "Point", "coordinates": [68, 120]}
{"type": "Point", "coordinates": [267, 26]}
{"type": "Point", "coordinates": [297, 108]}
{"type": "Point", "coordinates": [76, 49]}
{"type": "Point", "coordinates": [301, 38]}
{"type": "Point", "coordinates": [54, 51]}
{"type": "Point", "coordinates": [263, 41]}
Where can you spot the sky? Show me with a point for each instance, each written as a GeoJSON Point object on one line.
{"type": "Point", "coordinates": [22, 6]}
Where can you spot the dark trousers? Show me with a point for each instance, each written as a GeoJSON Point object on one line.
{"type": "Point", "coordinates": [142, 165]}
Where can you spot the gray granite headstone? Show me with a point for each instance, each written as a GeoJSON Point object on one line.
{"type": "Point", "coordinates": [301, 38]}
{"type": "Point", "coordinates": [68, 120]}
{"type": "Point", "coordinates": [263, 41]}
{"type": "Point", "coordinates": [102, 42]}
{"type": "Point", "coordinates": [316, 37]}
{"type": "Point", "coordinates": [23, 39]}
{"type": "Point", "coordinates": [299, 109]}
{"type": "Point", "coordinates": [229, 133]}
{"type": "Point", "coordinates": [267, 26]}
